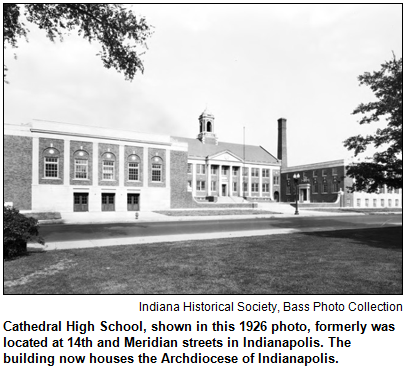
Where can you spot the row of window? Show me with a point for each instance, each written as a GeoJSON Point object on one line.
{"type": "Point", "coordinates": [81, 169]}
{"type": "Point", "coordinates": [315, 173]}
{"type": "Point", "coordinates": [375, 203]}
{"type": "Point", "coordinates": [201, 169]}
{"type": "Point", "coordinates": [201, 186]}
{"type": "Point", "coordinates": [316, 188]}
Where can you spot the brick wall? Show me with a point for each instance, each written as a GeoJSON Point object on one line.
{"type": "Point", "coordinates": [44, 144]}
{"type": "Point", "coordinates": [138, 151]}
{"type": "Point", "coordinates": [18, 171]}
{"type": "Point", "coordinates": [180, 197]}
{"type": "Point", "coordinates": [88, 148]}
{"type": "Point", "coordinates": [152, 153]}
{"type": "Point", "coordinates": [316, 197]}
{"type": "Point", "coordinates": [103, 148]}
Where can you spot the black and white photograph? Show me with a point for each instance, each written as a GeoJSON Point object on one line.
{"type": "Point", "coordinates": [203, 149]}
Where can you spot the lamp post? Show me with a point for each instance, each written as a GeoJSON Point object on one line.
{"type": "Point", "coordinates": [296, 181]}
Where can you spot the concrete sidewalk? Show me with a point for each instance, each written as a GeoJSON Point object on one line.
{"type": "Point", "coordinates": [145, 216]}
{"type": "Point", "coordinates": [93, 243]}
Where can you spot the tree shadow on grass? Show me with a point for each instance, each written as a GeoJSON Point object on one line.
{"type": "Point", "coordinates": [382, 237]}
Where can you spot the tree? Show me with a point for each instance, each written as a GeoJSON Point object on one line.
{"type": "Point", "coordinates": [119, 32]}
{"type": "Point", "coordinates": [385, 166]}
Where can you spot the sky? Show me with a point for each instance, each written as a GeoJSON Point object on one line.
{"type": "Point", "coordinates": [247, 64]}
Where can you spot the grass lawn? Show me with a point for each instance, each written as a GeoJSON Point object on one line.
{"type": "Point", "coordinates": [215, 212]}
{"type": "Point", "coordinates": [345, 262]}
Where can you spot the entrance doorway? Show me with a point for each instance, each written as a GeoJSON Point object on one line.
{"type": "Point", "coordinates": [133, 202]}
{"type": "Point", "coordinates": [108, 202]}
{"type": "Point", "coordinates": [80, 202]}
{"type": "Point", "coordinates": [223, 190]}
{"type": "Point", "coordinates": [276, 196]}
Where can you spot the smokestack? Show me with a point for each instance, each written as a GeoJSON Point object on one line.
{"type": "Point", "coordinates": [282, 145]}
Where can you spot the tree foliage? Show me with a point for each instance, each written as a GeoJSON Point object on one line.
{"type": "Point", "coordinates": [17, 231]}
{"type": "Point", "coordinates": [119, 32]}
{"type": "Point", "coordinates": [385, 166]}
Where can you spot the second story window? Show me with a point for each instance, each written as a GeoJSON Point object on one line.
{"type": "Point", "coordinates": [51, 167]}
{"type": "Point", "coordinates": [81, 164]}
{"type": "Point", "coordinates": [324, 172]}
{"type": "Point", "coordinates": [133, 171]}
{"type": "Point", "coordinates": [108, 169]}
{"type": "Point", "coordinates": [189, 168]}
{"type": "Point", "coordinates": [108, 166]}
{"type": "Point", "coordinates": [265, 173]}
{"type": "Point", "coordinates": [81, 168]}
{"type": "Point", "coordinates": [51, 163]}
{"type": "Point", "coordinates": [254, 172]}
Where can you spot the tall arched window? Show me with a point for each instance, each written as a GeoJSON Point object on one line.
{"type": "Point", "coordinates": [209, 128]}
{"type": "Point", "coordinates": [108, 166]}
{"type": "Point", "coordinates": [51, 163]}
{"type": "Point", "coordinates": [157, 165]}
{"type": "Point", "coordinates": [134, 168]}
{"type": "Point", "coordinates": [81, 159]}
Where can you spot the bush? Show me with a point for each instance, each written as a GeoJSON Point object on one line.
{"type": "Point", "coordinates": [18, 230]}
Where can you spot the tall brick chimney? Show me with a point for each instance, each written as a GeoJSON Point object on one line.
{"type": "Point", "coordinates": [282, 144]}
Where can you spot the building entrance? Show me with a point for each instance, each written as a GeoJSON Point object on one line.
{"type": "Point", "coordinates": [133, 202]}
{"type": "Point", "coordinates": [223, 190]}
{"type": "Point", "coordinates": [80, 202]}
{"type": "Point", "coordinates": [108, 202]}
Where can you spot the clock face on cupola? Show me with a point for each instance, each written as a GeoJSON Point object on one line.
{"type": "Point", "coordinates": [206, 122]}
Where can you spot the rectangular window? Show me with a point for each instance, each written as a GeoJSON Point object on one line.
{"type": "Point", "coordinates": [315, 187]}
{"type": "Point", "coordinates": [374, 203]}
{"type": "Point", "coordinates": [358, 202]}
{"type": "Point", "coordinates": [254, 187]}
{"type": "Point", "coordinates": [235, 186]}
{"type": "Point", "coordinates": [189, 185]}
{"type": "Point", "coordinates": [335, 187]}
{"type": "Point", "coordinates": [254, 172]}
{"type": "Point", "coordinates": [265, 173]}
{"type": "Point", "coordinates": [223, 171]}
{"type": "Point", "coordinates": [245, 185]}
{"type": "Point", "coordinates": [214, 170]}
{"type": "Point", "coordinates": [334, 171]}
{"type": "Point", "coordinates": [157, 173]}
{"type": "Point", "coordinates": [81, 168]}
{"type": "Point", "coordinates": [133, 172]}
{"type": "Point", "coordinates": [390, 190]}
{"type": "Point", "coordinates": [396, 202]}
{"type": "Point", "coordinates": [325, 188]}
{"type": "Point", "coordinates": [304, 175]}
{"type": "Point", "coordinates": [265, 187]}
{"type": "Point", "coordinates": [213, 186]}
{"type": "Point", "coordinates": [235, 171]}
{"type": "Point", "coordinates": [189, 168]}
{"type": "Point", "coordinates": [51, 167]}
{"type": "Point", "coordinates": [389, 203]}
{"type": "Point", "coordinates": [382, 202]}
{"type": "Point", "coordinates": [324, 172]}
{"type": "Point", "coordinates": [108, 170]}
{"type": "Point", "coordinates": [245, 171]}
{"type": "Point", "coordinates": [287, 177]}
{"type": "Point", "coordinates": [382, 190]}
{"type": "Point", "coordinates": [200, 169]}
{"type": "Point", "coordinates": [396, 191]}
{"type": "Point", "coordinates": [314, 173]}
{"type": "Point", "coordinates": [201, 185]}
{"type": "Point", "coordinates": [276, 180]}
{"type": "Point", "coordinates": [366, 203]}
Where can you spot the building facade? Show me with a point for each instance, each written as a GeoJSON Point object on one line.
{"type": "Point", "coordinates": [59, 167]}
{"type": "Point", "coordinates": [326, 183]}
